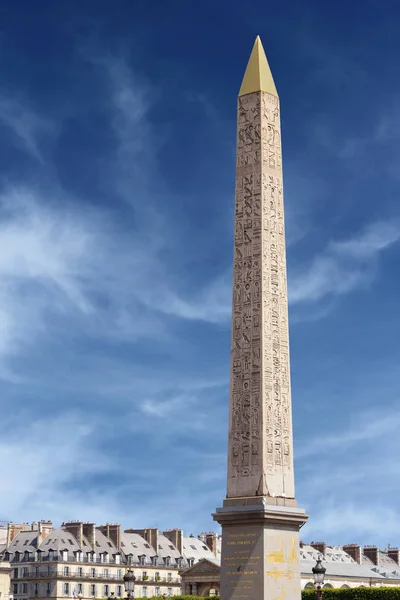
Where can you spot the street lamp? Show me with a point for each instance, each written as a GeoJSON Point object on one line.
{"type": "Point", "coordinates": [319, 574]}
{"type": "Point", "coordinates": [80, 596]}
{"type": "Point", "coordinates": [129, 582]}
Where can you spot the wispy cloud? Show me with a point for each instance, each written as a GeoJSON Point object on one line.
{"type": "Point", "coordinates": [29, 129]}
{"type": "Point", "coordinates": [343, 266]}
{"type": "Point", "coordinates": [366, 428]}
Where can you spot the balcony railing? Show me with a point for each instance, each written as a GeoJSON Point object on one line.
{"type": "Point", "coordinates": [71, 574]}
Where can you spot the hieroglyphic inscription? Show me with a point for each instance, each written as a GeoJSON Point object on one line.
{"type": "Point", "coordinates": [260, 436]}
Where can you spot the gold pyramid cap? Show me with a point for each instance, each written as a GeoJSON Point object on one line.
{"type": "Point", "coordinates": [258, 76]}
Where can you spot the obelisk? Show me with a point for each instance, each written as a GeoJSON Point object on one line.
{"type": "Point", "coordinates": [260, 518]}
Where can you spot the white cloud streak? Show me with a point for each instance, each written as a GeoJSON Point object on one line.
{"type": "Point", "coordinates": [343, 266]}
{"type": "Point", "coordinates": [28, 127]}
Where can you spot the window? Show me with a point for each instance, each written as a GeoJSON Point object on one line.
{"type": "Point", "coordinates": [117, 559]}
{"type": "Point", "coordinates": [6, 556]}
{"type": "Point", "coordinates": [157, 576]}
{"type": "Point", "coordinates": [154, 560]}
{"type": "Point", "coordinates": [97, 544]}
{"type": "Point", "coordinates": [80, 572]}
{"type": "Point", "coordinates": [147, 545]}
{"type": "Point", "coordinates": [119, 574]}
{"type": "Point", "coordinates": [130, 559]}
{"type": "Point", "coordinates": [167, 561]}
{"type": "Point", "coordinates": [51, 554]}
{"type": "Point", "coordinates": [192, 547]}
{"type": "Point", "coordinates": [169, 592]}
{"type": "Point", "coordinates": [26, 542]}
{"type": "Point", "coordinates": [92, 591]}
{"type": "Point", "coordinates": [122, 544]}
{"type": "Point", "coordinates": [71, 542]}
{"type": "Point", "coordinates": [35, 589]}
{"type": "Point", "coordinates": [37, 572]}
{"type": "Point", "coordinates": [80, 588]}
{"type": "Point", "coordinates": [15, 573]}
{"type": "Point", "coordinates": [24, 588]}
{"type": "Point", "coordinates": [105, 591]}
{"type": "Point", "coordinates": [106, 573]}
{"type": "Point", "coordinates": [63, 541]}
{"type": "Point", "coordinates": [65, 554]}
{"type": "Point", "coordinates": [169, 577]}
{"type": "Point", "coordinates": [66, 571]}
{"type": "Point", "coordinates": [110, 544]}
{"type": "Point", "coordinates": [48, 589]}
{"type": "Point", "coordinates": [157, 591]}
{"type": "Point", "coordinates": [144, 575]}
{"type": "Point", "coordinates": [119, 591]}
{"type": "Point", "coordinates": [92, 572]}
{"type": "Point", "coordinates": [142, 559]}
{"type": "Point", "coordinates": [15, 588]}
{"type": "Point", "coordinates": [66, 589]}
{"type": "Point", "coordinates": [25, 572]}
{"type": "Point", "coordinates": [16, 556]}
{"type": "Point", "coordinates": [144, 592]}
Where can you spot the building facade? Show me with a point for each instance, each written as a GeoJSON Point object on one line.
{"type": "Point", "coordinates": [346, 567]}
{"type": "Point", "coordinates": [81, 560]}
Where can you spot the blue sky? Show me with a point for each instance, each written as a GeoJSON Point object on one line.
{"type": "Point", "coordinates": [117, 142]}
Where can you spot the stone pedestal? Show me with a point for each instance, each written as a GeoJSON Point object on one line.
{"type": "Point", "coordinates": [260, 542]}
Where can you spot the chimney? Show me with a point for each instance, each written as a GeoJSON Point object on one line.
{"type": "Point", "coordinates": [13, 529]}
{"type": "Point", "coordinates": [372, 552]}
{"type": "Point", "coordinates": [394, 554]}
{"type": "Point", "coordinates": [34, 526]}
{"type": "Point", "coordinates": [89, 531]}
{"type": "Point", "coordinates": [354, 551]}
{"type": "Point", "coordinates": [112, 531]}
{"type": "Point", "coordinates": [175, 536]}
{"type": "Point", "coordinates": [76, 529]}
{"type": "Point", "coordinates": [211, 542]}
{"type": "Point", "coordinates": [44, 528]}
{"type": "Point", "coordinates": [319, 547]}
{"type": "Point", "coordinates": [150, 535]}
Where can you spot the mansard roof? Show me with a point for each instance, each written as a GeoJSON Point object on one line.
{"type": "Point", "coordinates": [194, 548]}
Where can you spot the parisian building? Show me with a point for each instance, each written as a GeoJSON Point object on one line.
{"type": "Point", "coordinates": [84, 561]}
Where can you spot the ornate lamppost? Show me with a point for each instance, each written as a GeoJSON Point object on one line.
{"type": "Point", "coordinates": [129, 582]}
{"type": "Point", "coordinates": [319, 576]}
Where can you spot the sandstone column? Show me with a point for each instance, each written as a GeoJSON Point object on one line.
{"type": "Point", "coordinates": [260, 518]}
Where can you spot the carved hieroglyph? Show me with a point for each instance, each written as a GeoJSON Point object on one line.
{"type": "Point", "coordinates": [260, 429]}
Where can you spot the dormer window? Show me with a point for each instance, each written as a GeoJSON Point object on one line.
{"type": "Point", "coordinates": [17, 556]}
{"type": "Point", "coordinates": [167, 561]}
{"type": "Point", "coordinates": [65, 555]}
{"type": "Point", "coordinates": [190, 562]}
{"type": "Point", "coordinates": [142, 559]}
{"type": "Point", "coordinates": [154, 560]}
{"type": "Point", "coordinates": [117, 559]}
{"type": "Point", "coordinates": [179, 561]}
{"type": "Point", "coordinates": [6, 556]}
{"type": "Point", "coordinates": [130, 559]}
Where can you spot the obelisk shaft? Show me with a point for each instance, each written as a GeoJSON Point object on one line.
{"type": "Point", "coordinates": [260, 460]}
{"type": "Point", "coordinates": [260, 519]}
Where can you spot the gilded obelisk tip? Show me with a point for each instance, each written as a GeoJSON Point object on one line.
{"type": "Point", "coordinates": [258, 76]}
